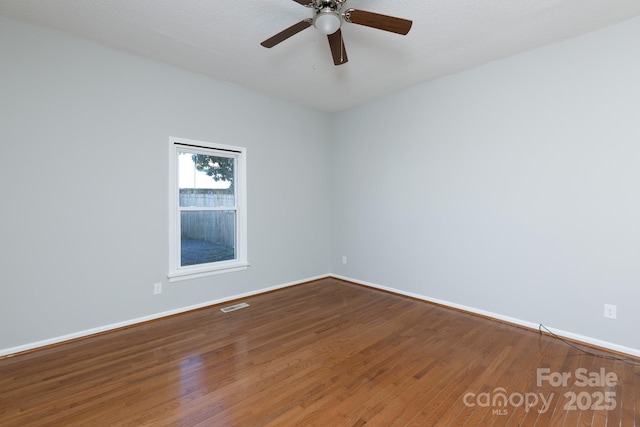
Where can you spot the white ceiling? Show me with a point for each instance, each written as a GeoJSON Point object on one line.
{"type": "Point", "coordinates": [222, 39]}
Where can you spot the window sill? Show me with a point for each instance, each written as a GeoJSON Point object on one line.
{"type": "Point", "coordinates": [197, 273]}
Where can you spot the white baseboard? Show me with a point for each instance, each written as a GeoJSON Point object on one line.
{"type": "Point", "coordinates": [564, 334]}
{"type": "Point", "coordinates": [88, 332]}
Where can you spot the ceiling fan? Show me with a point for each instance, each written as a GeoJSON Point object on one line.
{"type": "Point", "coordinates": [328, 18]}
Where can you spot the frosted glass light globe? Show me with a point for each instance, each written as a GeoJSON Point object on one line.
{"type": "Point", "coordinates": [327, 22]}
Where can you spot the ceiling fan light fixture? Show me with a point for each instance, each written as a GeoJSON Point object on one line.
{"type": "Point", "coordinates": [327, 21]}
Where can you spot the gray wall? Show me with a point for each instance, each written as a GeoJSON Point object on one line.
{"type": "Point", "coordinates": [511, 189]}
{"type": "Point", "coordinates": [84, 164]}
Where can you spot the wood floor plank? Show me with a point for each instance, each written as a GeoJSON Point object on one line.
{"type": "Point", "coordinates": [326, 353]}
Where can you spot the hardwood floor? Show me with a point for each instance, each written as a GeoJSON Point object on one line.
{"type": "Point", "coordinates": [326, 353]}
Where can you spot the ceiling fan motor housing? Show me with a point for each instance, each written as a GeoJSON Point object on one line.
{"type": "Point", "coordinates": [323, 4]}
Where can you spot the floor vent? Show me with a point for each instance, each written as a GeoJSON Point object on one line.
{"type": "Point", "coordinates": [234, 307]}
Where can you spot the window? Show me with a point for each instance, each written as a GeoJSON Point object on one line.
{"type": "Point", "coordinates": [207, 210]}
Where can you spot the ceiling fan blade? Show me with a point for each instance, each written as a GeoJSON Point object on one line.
{"type": "Point", "coordinates": [376, 20]}
{"type": "Point", "coordinates": [307, 3]}
{"type": "Point", "coordinates": [338, 51]}
{"type": "Point", "coordinates": [286, 33]}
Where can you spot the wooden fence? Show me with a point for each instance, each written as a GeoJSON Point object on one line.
{"type": "Point", "coordinates": [217, 226]}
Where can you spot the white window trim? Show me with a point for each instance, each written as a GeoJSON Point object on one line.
{"type": "Point", "coordinates": [177, 272]}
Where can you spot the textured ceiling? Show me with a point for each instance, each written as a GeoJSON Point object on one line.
{"type": "Point", "coordinates": [222, 39]}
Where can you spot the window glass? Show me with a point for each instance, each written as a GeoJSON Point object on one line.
{"type": "Point", "coordinates": [208, 209]}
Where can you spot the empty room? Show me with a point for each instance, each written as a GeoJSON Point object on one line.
{"type": "Point", "coordinates": [320, 213]}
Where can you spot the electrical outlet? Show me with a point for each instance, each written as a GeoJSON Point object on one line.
{"type": "Point", "coordinates": [157, 288]}
{"type": "Point", "coordinates": [344, 259]}
{"type": "Point", "coordinates": [610, 311]}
